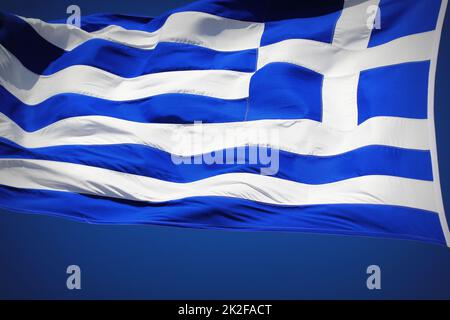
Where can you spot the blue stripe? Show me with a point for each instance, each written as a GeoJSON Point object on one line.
{"type": "Point", "coordinates": [116, 58]}
{"type": "Point", "coordinates": [98, 21]}
{"type": "Point", "coordinates": [246, 10]}
{"type": "Point", "coordinates": [397, 91]}
{"type": "Point", "coordinates": [404, 18]}
{"type": "Point", "coordinates": [133, 62]}
{"type": "Point", "coordinates": [318, 28]}
{"type": "Point", "coordinates": [151, 162]}
{"type": "Point", "coordinates": [166, 108]}
{"type": "Point", "coordinates": [225, 213]}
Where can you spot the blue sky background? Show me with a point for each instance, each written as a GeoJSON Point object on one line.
{"type": "Point", "coordinates": [173, 263]}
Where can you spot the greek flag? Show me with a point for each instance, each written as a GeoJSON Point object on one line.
{"type": "Point", "coordinates": [312, 116]}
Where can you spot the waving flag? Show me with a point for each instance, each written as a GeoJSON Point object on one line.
{"type": "Point", "coordinates": [312, 116]}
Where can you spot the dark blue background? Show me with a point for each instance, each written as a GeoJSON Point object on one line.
{"type": "Point", "coordinates": [173, 263]}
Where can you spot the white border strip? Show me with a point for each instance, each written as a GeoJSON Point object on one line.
{"type": "Point", "coordinates": [431, 126]}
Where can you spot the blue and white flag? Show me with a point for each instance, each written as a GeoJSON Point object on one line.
{"type": "Point", "coordinates": [313, 116]}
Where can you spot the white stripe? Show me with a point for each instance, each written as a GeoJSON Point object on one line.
{"type": "Point", "coordinates": [197, 28]}
{"type": "Point", "coordinates": [298, 136]}
{"type": "Point", "coordinates": [333, 61]}
{"type": "Point", "coordinates": [32, 89]}
{"type": "Point", "coordinates": [60, 176]}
